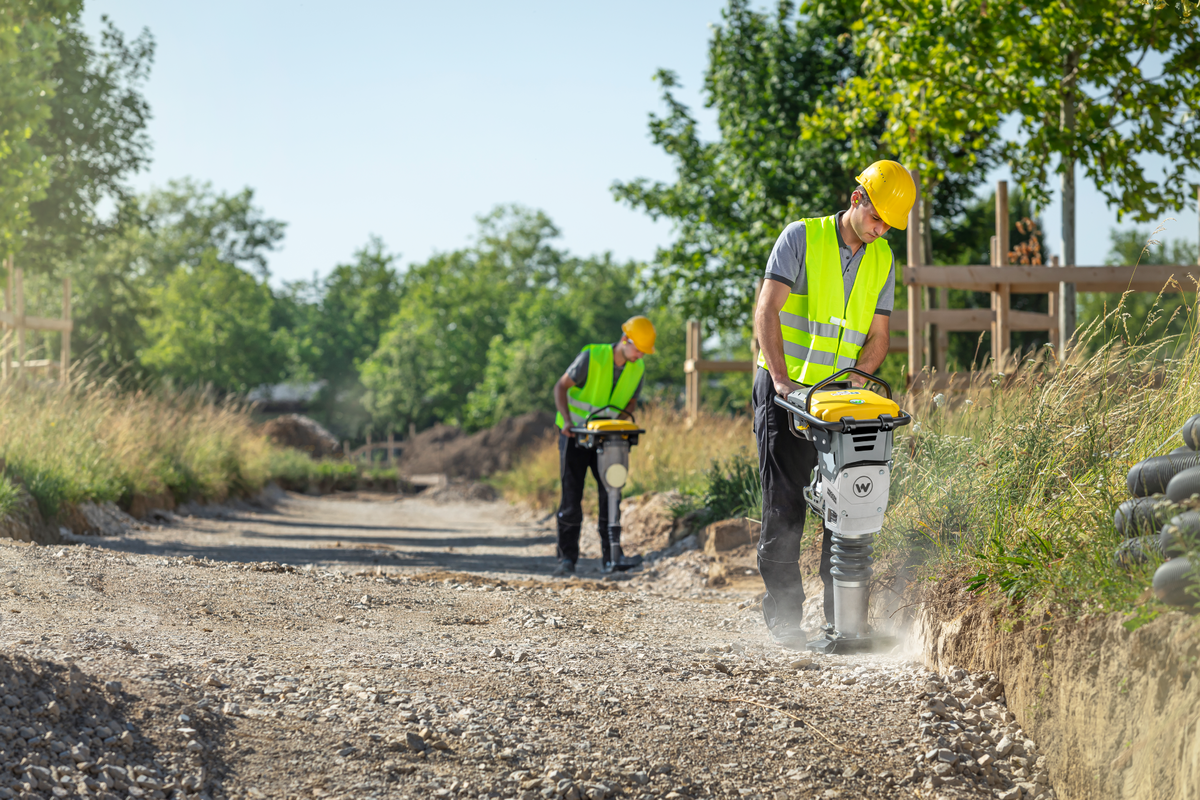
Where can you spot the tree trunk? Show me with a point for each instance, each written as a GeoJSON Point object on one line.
{"type": "Point", "coordinates": [1066, 291]}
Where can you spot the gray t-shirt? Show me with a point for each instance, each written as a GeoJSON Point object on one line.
{"type": "Point", "coordinates": [786, 265]}
{"type": "Point", "coordinates": [578, 372]}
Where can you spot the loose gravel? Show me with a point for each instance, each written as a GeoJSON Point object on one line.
{"type": "Point", "coordinates": [165, 669]}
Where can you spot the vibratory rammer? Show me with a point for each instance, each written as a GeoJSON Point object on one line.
{"type": "Point", "coordinates": [852, 430]}
{"type": "Point", "coordinates": [611, 439]}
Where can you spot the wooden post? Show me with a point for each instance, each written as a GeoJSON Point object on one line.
{"type": "Point", "coordinates": [20, 320]}
{"type": "Point", "coordinates": [914, 292]}
{"type": "Point", "coordinates": [1002, 294]}
{"type": "Point", "coordinates": [346, 448]}
{"type": "Point", "coordinates": [65, 368]}
{"type": "Point", "coordinates": [391, 448]}
{"type": "Point", "coordinates": [370, 452]}
{"type": "Point", "coordinates": [692, 379]}
{"type": "Point", "coordinates": [1052, 311]}
{"type": "Point", "coordinates": [943, 336]}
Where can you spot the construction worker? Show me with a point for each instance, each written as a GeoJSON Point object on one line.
{"type": "Point", "coordinates": [824, 306]}
{"type": "Point", "coordinates": [602, 375]}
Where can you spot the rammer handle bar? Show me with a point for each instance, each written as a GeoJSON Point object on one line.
{"type": "Point", "coordinates": [845, 423]}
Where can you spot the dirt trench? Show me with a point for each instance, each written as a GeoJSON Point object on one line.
{"type": "Point", "coordinates": [366, 647]}
{"type": "Point", "coordinates": [1116, 710]}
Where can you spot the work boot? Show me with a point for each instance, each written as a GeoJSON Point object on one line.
{"type": "Point", "coordinates": [788, 635]}
{"type": "Point", "coordinates": [566, 568]}
{"type": "Point", "coordinates": [620, 562]}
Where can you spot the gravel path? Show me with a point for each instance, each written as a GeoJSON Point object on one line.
{"type": "Point", "coordinates": [358, 648]}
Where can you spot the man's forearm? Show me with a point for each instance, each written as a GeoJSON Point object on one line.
{"type": "Point", "coordinates": [873, 352]}
{"type": "Point", "coordinates": [561, 402]}
{"type": "Point", "coordinates": [770, 341]}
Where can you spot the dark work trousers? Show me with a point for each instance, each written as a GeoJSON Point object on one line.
{"type": "Point", "coordinates": [785, 464]}
{"type": "Point", "coordinates": [573, 464]}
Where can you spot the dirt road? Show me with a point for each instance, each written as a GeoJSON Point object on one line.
{"type": "Point", "coordinates": [359, 648]}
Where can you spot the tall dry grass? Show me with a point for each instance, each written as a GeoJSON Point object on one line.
{"type": "Point", "coordinates": [95, 442]}
{"type": "Point", "coordinates": [1015, 480]}
{"type": "Point", "coordinates": [671, 455]}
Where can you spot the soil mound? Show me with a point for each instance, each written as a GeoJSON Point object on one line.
{"type": "Point", "coordinates": [301, 433]}
{"type": "Point", "coordinates": [446, 449]}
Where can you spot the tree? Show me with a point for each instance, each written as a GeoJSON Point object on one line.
{"type": "Point", "coordinates": [213, 326]}
{"type": "Point", "coordinates": [188, 218]}
{"type": "Point", "coordinates": [1070, 75]}
{"type": "Point", "coordinates": [116, 278]}
{"type": "Point", "coordinates": [451, 307]}
{"type": "Point", "coordinates": [332, 325]}
{"type": "Point", "coordinates": [94, 139]}
{"type": "Point", "coordinates": [767, 75]}
{"type": "Point", "coordinates": [30, 31]}
{"type": "Point", "coordinates": [545, 330]}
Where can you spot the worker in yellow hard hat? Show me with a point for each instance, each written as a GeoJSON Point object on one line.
{"type": "Point", "coordinates": [603, 382]}
{"type": "Point", "coordinates": [824, 306]}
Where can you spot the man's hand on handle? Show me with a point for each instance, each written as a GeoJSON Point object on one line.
{"type": "Point", "coordinates": [784, 386]}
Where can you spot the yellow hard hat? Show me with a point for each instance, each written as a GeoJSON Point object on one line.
{"type": "Point", "coordinates": [891, 190]}
{"type": "Point", "coordinates": [641, 332]}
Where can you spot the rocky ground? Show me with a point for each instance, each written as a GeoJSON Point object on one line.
{"type": "Point", "coordinates": [357, 648]}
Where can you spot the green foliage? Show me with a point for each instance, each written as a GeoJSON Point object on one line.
{"type": "Point", "coordinates": [545, 330]}
{"type": "Point", "coordinates": [484, 332]}
{"type": "Point", "coordinates": [330, 326]}
{"type": "Point", "coordinates": [93, 442]}
{"type": "Point", "coordinates": [732, 197]}
{"type": "Point", "coordinates": [213, 326]}
{"type": "Point", "coordinates": [1018, 486]}
{"type": "Point", "coordinates": [941, 76]}
{"type": "Point", "coordinates": [768, 74]}
{"type": "Point", "coordinates": [93, 141]}
{"type": "Point", "coordinates": [9, 496]}
{"type": "Point", "coordinates": [435, 349]}
{"type": "Point", "coordinates": [732, 489]}
{"type": "Point", "coordinates": [30, 32]}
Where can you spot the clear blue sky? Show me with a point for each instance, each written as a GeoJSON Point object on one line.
{"type": "Point", "coordinates": [407, 120]}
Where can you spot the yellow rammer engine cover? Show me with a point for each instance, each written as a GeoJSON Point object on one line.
{"type": "Point", "coordinates": [854, 403]}
{"type": "Point", "coordinates": [611, 425]}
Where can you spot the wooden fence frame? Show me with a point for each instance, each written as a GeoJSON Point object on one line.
{"type": "Point", "coordinates": [14, 320]}
{"type": "Point", "coordinates": [999, 279]}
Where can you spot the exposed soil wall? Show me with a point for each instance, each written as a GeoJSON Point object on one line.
{"type": "Point", "coordinates": [1117, 712]}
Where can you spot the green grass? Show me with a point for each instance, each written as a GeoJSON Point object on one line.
{"type": "Point", "coordinates": [1015, 488]}
{"type": "Point", "coordinates": [9, 496]}
{"type": "Point", "coordinates": [94, 442]}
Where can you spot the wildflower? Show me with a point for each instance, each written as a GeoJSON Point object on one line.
{"type": "Point", "coordinates": [939, 399]}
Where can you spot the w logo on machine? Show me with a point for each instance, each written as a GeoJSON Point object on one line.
{"type": "Point", "coordinates": [862, 486]}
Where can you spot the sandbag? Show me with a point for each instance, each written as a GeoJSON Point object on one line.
{"type": "Point", "coordinates": [1137, 550]}
{"type": "Point", "coordinates": [1152, 475]}
{"type": "Point", "coordinates": [1172, 582]}
{"type": "Point", "coordinates": [1184, 485]}
{"type": "Point", "coordinates": [1191, 432]}
{"type": "Point", "coordinates": [1180, 534]}
{"type": "Point", "coordinates": [1141, 516]}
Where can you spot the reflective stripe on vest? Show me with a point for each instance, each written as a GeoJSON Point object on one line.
{"type": "Point", "coordinates": [823, 331]}
{"type": "Point", "coordinates": [598, 391]}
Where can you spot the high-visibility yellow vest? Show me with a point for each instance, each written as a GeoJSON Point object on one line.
{"type": "Point", "coordinates": [599, 391]}
{"type": "Point", "coordinates": [822, 332]}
